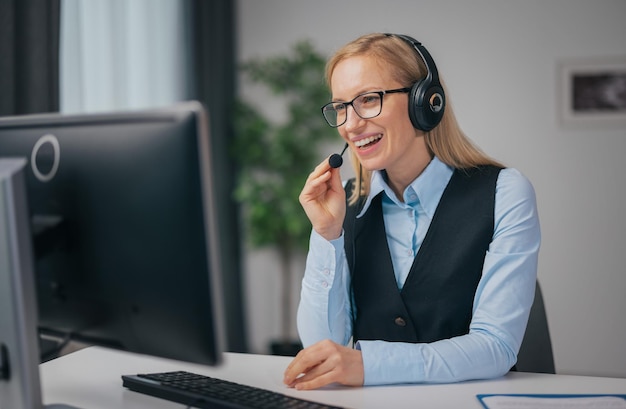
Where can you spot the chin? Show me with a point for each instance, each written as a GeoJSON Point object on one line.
{"type": "Point", "coordinates": [372, 165]}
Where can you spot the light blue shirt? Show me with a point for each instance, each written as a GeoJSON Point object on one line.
{"type": "Point", "coordinates": [501, 304]}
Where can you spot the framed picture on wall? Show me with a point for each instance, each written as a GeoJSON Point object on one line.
{"type": "Point", "coordinates": [593, 92]}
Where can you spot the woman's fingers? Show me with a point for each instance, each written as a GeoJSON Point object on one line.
{"type": "Point", "coordinates": [323, 200]}
{"type": "Point", "coordinates": [304, 361]}
{"type": "Point", "coordinates": [324, 363]}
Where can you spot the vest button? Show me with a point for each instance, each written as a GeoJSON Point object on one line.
{"type": "Point", "coordinates": [400, 322]}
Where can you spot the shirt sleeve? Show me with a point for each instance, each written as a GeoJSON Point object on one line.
{"type": "Point", "coordinates": [324, 311]}
{"type": "Point", "coordinates": [501, 305]}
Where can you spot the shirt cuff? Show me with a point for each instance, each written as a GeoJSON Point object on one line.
{"type": "Point", "coordinates": [322, 261]}
{"type": "Point", "coordinates": [388, 364]}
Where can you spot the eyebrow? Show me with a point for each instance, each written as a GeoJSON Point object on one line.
{"type": "Point", "coordinates": [333, 99]}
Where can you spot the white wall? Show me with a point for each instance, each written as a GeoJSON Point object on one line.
{"type": "Point", "coordinates": [499, 59]}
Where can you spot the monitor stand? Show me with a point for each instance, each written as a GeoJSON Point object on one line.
{"type": "Point", "coordinates": [20, 386]}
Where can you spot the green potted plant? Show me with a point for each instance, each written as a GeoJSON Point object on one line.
{"type": "Point", "coordinates": [274, 160]}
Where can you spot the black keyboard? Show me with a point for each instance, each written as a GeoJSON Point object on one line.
{"type": "Point", "coordinates": [201, 391]}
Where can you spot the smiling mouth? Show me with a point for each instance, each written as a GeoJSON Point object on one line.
{"type": "Point", "coordinates": [369, 141]}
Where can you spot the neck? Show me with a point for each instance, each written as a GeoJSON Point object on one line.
{"type": "Point", "coordinates": [399, 179]}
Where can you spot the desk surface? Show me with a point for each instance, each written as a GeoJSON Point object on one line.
{"type": "Point", "coordinates": [91, 379]}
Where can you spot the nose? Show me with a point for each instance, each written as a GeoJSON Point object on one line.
{"type": "Point", "coordinates": [353, 120]}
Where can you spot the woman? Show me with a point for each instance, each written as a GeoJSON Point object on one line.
{"type": "Point", "coordinates": [427, 260]}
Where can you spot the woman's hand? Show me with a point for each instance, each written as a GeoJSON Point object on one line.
{"type": "Point", "coordinates": [324, 363]}
{"type": "Point", "coordinates": [324, 200]}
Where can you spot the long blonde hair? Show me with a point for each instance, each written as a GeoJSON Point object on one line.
{"type": "Point", "coordinates": [446, 141]}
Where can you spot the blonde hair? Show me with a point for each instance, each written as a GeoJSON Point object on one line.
{"type": "Point", "coordinates": [446, 141]}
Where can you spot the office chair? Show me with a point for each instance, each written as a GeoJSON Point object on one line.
{"type": "Point", "coordinates": [535, 353]}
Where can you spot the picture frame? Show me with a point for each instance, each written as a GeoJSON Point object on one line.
{"type": "Point", "coordinates": [593, 92]}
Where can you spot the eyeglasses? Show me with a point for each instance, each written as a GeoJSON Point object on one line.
{"type": "Point", "coordinates": [367, 105]}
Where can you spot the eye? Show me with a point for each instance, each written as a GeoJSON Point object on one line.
{"type": "Point", "coordinates": [339, 106]}
{"type": "Point", "coordinates": [369, 99]}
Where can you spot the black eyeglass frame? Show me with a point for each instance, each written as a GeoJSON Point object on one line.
{"type": "Point", "coordinates": [351, 103]}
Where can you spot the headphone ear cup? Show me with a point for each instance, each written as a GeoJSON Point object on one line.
{"type": "Point", "coordinates": [426, 105]}
{"type": "Point", "coordinates": [415, 104]}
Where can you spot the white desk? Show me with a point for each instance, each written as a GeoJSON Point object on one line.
{"type": "Point", "coordinates": [91, 379]}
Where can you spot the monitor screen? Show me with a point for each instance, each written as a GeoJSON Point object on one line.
{"type": "Point", "coordinates": [126, 253]}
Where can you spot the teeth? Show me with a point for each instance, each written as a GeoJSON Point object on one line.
{"type": "Point", "coordinates": [367, 141]}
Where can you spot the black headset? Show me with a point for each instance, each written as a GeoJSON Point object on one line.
{"type": "Point", "coordinates": [427, 101]}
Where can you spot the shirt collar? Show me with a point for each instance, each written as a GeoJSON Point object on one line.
{"type": "Point", "coordinates": [426, 189]}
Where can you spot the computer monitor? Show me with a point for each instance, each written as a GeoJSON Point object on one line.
{"type": "Point", "coordinates": [19, 372]}
{"type": "Point", "coordinates": [126, 250]}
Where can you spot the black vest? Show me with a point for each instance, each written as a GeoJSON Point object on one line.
{"type": "Point", "coordinates": [436, 299]}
